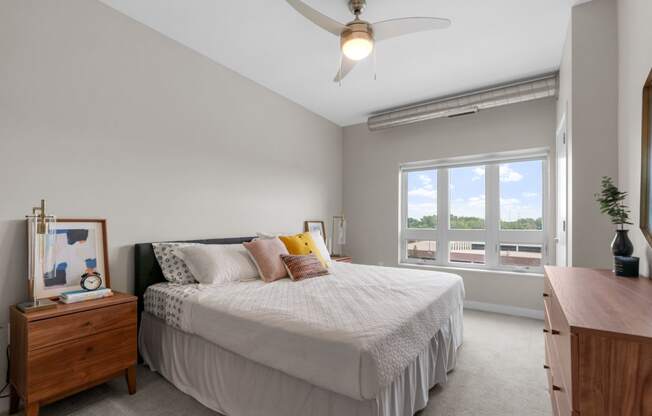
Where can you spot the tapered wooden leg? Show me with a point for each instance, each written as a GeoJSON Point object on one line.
{"type": "Point", "coordinates": [14, 400]}
{"type": "Point", "coordinates": [130, 375]}
{"type": "Point", "coordinates": [31, 409]}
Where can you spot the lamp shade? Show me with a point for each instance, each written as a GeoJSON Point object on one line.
{"type": "Point", "coordinates": [341, 237]}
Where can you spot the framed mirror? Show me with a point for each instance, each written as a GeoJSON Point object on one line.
{"type": "Point", "coordinates": [646, 162]}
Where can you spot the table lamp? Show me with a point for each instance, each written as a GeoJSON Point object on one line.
{"type": "Point", "coordinates": [41, 255]}
{"type": "Point", "coordinates": [339, 225]}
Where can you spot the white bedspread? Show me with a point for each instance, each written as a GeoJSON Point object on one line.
{"type": "Point", "coordinates": [351, 332]}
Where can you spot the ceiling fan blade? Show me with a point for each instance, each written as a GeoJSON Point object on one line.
{"type": "Point", "coordinates": [393, 28]}
{"type": "Point", "coordinates": [347, 66]}
{"type": "Point", "coordinates": [317, 18]}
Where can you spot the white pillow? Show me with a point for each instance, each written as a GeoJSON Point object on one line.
{"type": "Point", "coordinates": [218, 263]}
{"type": "Point", "coordinates": [321, 246]}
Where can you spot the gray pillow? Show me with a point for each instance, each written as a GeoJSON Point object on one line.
{"type": "Point", "coordinates": [173, 267]}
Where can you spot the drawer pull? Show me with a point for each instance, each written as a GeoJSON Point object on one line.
{"type": "Point", "coordinates": [552, 331]}
{"type": "Point", "coordinates": [546, 367]}
{"type": "Point", "coordinates": [545, 295]}
{"type": "Point", "coordinates": [556, 388]}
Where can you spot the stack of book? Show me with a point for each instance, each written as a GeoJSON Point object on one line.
{"type": "Point", "coordinates": [74, 296]}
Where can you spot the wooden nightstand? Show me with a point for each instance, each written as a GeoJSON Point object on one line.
{"type": "Point", "coordinates": [61, 351]}
{"type": "Point", "coordinates": [342, 259]}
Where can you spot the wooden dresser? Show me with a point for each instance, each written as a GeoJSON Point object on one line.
{"type": "Point", "coordinates": [598, 338]}
{"type": "Point", "coordinates": [67, 349]}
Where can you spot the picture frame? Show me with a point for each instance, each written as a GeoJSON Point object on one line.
{"type": "Point", "coordinates": [645, 222]}
{"type": "Point", "coordinates": [315, 225]}
{"type": "Point", "coordinates": [80, 247]}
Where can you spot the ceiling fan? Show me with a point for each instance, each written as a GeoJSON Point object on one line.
{"type": "Point", "coordinates": [357, 37]}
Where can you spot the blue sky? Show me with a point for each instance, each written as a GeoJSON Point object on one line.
{"type": "Point", "coordinates": [521, 193]}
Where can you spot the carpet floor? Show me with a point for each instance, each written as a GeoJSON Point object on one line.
{"type": "Point", "coordinates": [499, 372]}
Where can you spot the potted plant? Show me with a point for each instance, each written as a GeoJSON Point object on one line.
{"type": "Point", "coordinates": [612, 204]}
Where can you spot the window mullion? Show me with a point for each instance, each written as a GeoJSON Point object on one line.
{"type": "Point", "coordinates": [546, 214]}
{"type": "Point", "coordinates": [402, 255]}
{"type": "Point", "coordinates": [492, 212]}
{"type": "Point", "coordinates": [442, 216]}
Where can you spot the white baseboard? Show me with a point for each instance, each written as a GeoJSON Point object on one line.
{"type": "Point", "coordinates": [503, 309]}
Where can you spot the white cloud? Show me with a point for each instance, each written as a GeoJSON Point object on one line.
{"type": "Point", "coordinates": [511, 209]}
{"type": "Point", "coordinates": [424, 192]}
{"type": "Point", "coordinates": [426, 181]}
{"type": "Point", "coordinates": [419, 210]}
{"type": "Point", "coordinates": [476, 201]}
{"type": "Point", "coordinates": [507, 174]}
{"type": "Point", "coordinates": [468, 207]}
{"type": "Point", "coordinates": [509, 202]}
{"type": "Point", "coordinates": [478, 173]}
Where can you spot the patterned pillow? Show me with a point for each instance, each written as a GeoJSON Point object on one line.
{"type": "Point", "coordinates": [302, 245]}
{"type": "Point", "coordinates": [303, 267]}
{"type": "Point", "coordinates": [174, 269]}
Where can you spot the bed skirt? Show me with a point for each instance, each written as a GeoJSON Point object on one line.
{"type": "Point", "coordinates": [236, 386]}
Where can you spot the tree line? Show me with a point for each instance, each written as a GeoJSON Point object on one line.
{"type": "Point", "coordinates": [475, 223]}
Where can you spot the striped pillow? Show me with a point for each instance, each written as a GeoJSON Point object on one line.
{"type": "Point", "coordinates": [303, 267]}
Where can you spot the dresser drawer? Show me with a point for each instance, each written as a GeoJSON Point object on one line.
{"type": "Point", "coordinates": [559, 393]}
{"type": "Point", "coordinates": [562, 346]}
{"type": "Point", "coordinates": [59, 369]}
{"type": "Point", "coordinates": [64, 328]}
{"type": "Point", "coordinates": [560, 399]}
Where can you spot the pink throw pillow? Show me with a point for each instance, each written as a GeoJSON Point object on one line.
{"type": "Point", "coordinates": [266, 254]}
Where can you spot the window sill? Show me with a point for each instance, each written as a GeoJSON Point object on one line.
{"type": "Point", "coordinates": [471, 269]}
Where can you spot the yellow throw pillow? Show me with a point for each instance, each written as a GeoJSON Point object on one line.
{"type": "Point", "coordinates": [302, 245]}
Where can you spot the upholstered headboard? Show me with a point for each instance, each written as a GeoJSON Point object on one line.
{"type": "Point", "coordinates": [148, 271]}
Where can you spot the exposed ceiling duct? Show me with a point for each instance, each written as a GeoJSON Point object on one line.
{"type": "Point", "coordinates": [467, 103]}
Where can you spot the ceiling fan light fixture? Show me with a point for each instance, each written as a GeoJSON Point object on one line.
{"type": "Point", "coordinates": [358, 38]}
{"type": "Point", "coordinates": [357, 41]}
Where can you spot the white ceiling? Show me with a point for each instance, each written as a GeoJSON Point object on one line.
{"type": "Point", "coordinates": [490, 41]}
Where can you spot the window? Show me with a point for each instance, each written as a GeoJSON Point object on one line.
{"type": "Point", "coordinates": [479, 212]}
{"type": "Point", "coordinates": [422, 190]}
{"type": "Point", "coordinates": [467, 208]}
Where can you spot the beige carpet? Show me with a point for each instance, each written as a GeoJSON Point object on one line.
{"type": "Point", "coordinates": [499, 372]}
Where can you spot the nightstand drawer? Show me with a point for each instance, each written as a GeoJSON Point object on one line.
{"type": "Point", "coordinates": [60, 369]}
{"type": "Point", "coordinates": [65, 328]}
{"type": "Point", "coordinates": [342, 259]}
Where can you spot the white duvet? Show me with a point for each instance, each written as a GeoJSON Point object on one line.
{"type": "Point", "coordinates": [351, 332]}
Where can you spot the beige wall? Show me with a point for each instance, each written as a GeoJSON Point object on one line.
{"type": "Point", "coordinates": [635, 62]}
{"type": "Point", "coordinates": [107, 118]}
{"type": "Point", "coordinates": [594, 149]}
{"type": "Point", "coordinates": [371, 172]}
{"type": "Point", "coordinates": [589, 96]}
{"type": "Point", "coordinates": [564, 107]}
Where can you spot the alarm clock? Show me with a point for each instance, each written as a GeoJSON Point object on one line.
{"type": "Point", "coordinates": [91, 281]}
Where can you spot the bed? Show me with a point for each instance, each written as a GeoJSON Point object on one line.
{"type": "Point", "coordinates": [364, 340]}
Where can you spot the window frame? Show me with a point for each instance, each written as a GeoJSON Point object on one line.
{"type": "Point", "coordinates": [492, 235]}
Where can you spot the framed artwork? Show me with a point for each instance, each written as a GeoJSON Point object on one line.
{"type": "Point", "coordinates": [317, 226]}
{"type": "Point", "coordinates": [80, 246]}
{"type": "Point", "coordinates": [646, 162]}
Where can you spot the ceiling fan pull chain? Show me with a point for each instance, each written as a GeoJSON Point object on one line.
{"type": "Point", "coordinates": [375, 72]}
